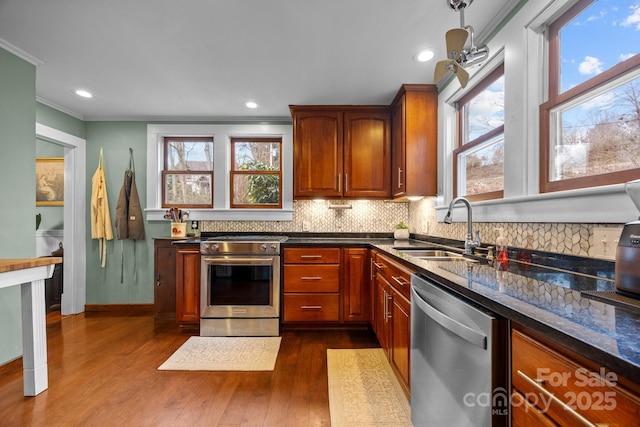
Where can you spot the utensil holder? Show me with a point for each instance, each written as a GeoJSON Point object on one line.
{"type": "Point", "coordinates": [178, 229]}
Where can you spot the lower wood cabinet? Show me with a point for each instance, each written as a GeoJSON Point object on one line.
{"type": "Point", "coordinates": [553, 386]}
{"type": "Point", "coordinates": [356, 284]}
{"type": "Point", "coordinates": [188, 284]}
{"type": "Point", "coordinates": [325, 285]}
{"type": "Point", "coordinates": [311, 285]}
{"type": "Point", "coordinates": [164, 276]}
{"type": "Point", "coordinates": [392, 315]}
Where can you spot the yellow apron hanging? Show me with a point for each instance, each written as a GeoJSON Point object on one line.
{"type": "Point", "coordinates": [101, 227]}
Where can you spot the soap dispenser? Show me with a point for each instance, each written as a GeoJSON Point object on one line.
{"type": "Point", "coordinates": [502, 254]}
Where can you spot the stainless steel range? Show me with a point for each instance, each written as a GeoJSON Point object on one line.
{"type": "Point", "coordinates": [240, 286]}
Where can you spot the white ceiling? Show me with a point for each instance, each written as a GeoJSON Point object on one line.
{"type": "Point", "coordinates": [202, 59]}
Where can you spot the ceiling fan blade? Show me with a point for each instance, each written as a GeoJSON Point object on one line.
{"type": "Point", "coordinates": [456, 39]}
{"type": "Point", "coordinates": [441, 70]}
{"type": "Point", "coordinates": [463, 76]}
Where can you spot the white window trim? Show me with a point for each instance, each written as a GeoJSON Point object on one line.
{"type": "Point", "coordinates": [222, 135]}
{"type": "Point", "coordinates": [521, 44]}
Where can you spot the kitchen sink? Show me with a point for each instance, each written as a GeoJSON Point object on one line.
{"type": "Point", "coordinates": [435, 255]}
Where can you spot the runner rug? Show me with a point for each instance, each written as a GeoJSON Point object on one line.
{"type": "Point", "coordinates": [363, 390]}
{"type": "Point", "coordinates": [224, 354]}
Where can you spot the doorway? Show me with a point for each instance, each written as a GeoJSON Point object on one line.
{"type": "Point", "coordinates": [74, 240]}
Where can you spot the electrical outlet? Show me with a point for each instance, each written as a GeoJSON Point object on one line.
{"type": "Point", "coordinates": [306, 226]}
{"type": "Point", "coordinates": [194, 225]}
{"type": "Point", "coordinates": [605, 241]}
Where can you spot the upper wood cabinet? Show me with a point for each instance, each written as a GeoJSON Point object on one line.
{"type": "Point", "coordinates": [414, 138]}
{"type": "Point", "coordinates": [341, 151]}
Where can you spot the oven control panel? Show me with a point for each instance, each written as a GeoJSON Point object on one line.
{"type": "Point", "coordinates": [246, 248]}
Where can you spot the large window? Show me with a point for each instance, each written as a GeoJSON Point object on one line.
{"type": "Point", "coordinates": [479, 158]}
{"type": "Point", "coordinates": [590, 125]}
{"type": "Point", "coordinates": [187, 176]}
{"type": "Point", "coordinates": [256, 172]}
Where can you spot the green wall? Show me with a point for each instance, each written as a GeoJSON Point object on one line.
{"type": "Point", "coordinates": [58, 120]}
{"type": "Point", "coordinates": [103, 284]}
{"type": "Point", "coordinates": [17, 194]}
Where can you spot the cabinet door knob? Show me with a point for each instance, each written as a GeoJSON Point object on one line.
{"type": "Point", "coordinates": [158, 280]}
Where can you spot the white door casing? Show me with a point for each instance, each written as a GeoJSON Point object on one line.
{"type": "Point", "coordinates": [74, 241]}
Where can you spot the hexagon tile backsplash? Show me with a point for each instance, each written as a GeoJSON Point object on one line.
{"type": "Point", "coordinates": [373, 216]}
{"type": "Point", "coordinates": [365, 216]}
{"type": "Point", "coordinates": [564, 238]}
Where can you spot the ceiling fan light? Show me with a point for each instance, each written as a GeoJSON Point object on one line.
{"type": "Point", "coordinates": [459, 4]}
{"type": "Point", "coordinates": [475, 56]}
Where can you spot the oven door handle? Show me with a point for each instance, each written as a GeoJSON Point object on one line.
{"type": "Point", "coordinates": [238, 260]}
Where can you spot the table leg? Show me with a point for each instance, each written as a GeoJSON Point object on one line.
{"type": "Point", "coordinates": [34, 338]}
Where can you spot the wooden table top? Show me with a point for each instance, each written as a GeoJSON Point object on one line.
{"type": "Point", "coordinates": [22, 263]}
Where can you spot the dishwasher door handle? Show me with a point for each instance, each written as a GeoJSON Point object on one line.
{"type": "Point", "coordinates": [463, 331]}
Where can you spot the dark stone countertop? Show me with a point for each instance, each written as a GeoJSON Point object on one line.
{"type": "Point", "coordinates": [544, 296]}
{"type": "Point", "coordinates": [547, 301]}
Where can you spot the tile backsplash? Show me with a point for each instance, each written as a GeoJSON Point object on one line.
{"type": "Point", "coordinates": [564, 238]}
{"type": "Point", "coordinates": [380, 217]}
{"type": "Point", "coordinates": [370, 216]}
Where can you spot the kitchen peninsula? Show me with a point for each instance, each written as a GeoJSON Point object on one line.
{"type": "Point", "coordinates": [30, 273]}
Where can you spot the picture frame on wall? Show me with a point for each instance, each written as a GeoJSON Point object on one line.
{"type": "Point", "coordinates": [50, 181]}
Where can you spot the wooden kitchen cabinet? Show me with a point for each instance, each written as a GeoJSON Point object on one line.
{"type": "Point", "coordinates": [382, 295]}
{"type": "Point", "coordinates": [356, 285]}
{"type": "Point", "coordinates": [188, 284]}
{"type": "Point", "coordinates": [311, 285]}
{"type": "Point", "coordinates": [341, 151]}
{"type": "Point", "coordinates": [582, 392]}
{"type": "Point", "coordinates": [400, 338]}
{"type": "Point", "coordinates": [164, 274]}
{"type": "Point", "coordinates": [414, 141]}
{"type": "Point", "coordinates": [392, 315]}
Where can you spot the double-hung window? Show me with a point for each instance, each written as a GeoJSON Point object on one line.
{"type": "Point", "coordinates": [187, 175]}
{"type": "Point", "coordinates": [256, 173]}
{"type": "Point", "coordinates": [590, 124]}
{"type": "Point", "coordinates": [479, 158]}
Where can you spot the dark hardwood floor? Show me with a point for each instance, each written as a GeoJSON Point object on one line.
{"type": "Point", "coordinates": [103, 372]}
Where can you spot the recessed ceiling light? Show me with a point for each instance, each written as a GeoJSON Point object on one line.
{"type": "Point", "coordinates": [423, 55]}
{"type": "Point", "coordinates": [251, 104]}
{"type": "Point", "coordinates": [83, 93]}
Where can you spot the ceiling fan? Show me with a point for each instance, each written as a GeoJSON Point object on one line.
{"type": "Point", "coordinates": [459, 56]}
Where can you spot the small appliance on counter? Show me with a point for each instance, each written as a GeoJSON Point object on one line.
{"type": "Point", "coordinates": [628, 251]}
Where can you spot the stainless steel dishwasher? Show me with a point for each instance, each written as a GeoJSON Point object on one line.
{"type": "Point", "coordinates": [458, 360]}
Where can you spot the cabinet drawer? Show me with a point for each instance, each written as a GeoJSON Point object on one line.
{"type": "Point", "coordinates": [539, 371]}
{"type": "Point", "coordinates": [398, 276]}
{"type": "Point", "coordinates": [311, 308]}
{"type": "Point", "coordinates": [314, 278]}
{"type": "Point", "coordinates": [312, 255]}
{"type": "Point", "coordinates": [524, 414]}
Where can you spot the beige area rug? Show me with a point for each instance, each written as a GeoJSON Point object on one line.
{"type": "Point", "coordinates": [363, 390]}
{"type": "Point", "coordinates": [224, 354]}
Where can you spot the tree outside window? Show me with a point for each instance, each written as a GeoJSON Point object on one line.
{"type": "Point", "coordinates": [479, 158]}
{"type": "Point", "coordinates": [590, 125]}
{"type": "Point", "coordinates": [187, 176]}
{"type": "Point", "coordinates": [256, 173]}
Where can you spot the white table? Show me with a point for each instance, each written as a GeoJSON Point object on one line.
{"type": "Point", "coordinates": [30, 274]}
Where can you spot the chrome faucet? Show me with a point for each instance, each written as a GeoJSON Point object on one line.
{"type": "Point", "coordinates": [469, 243]}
